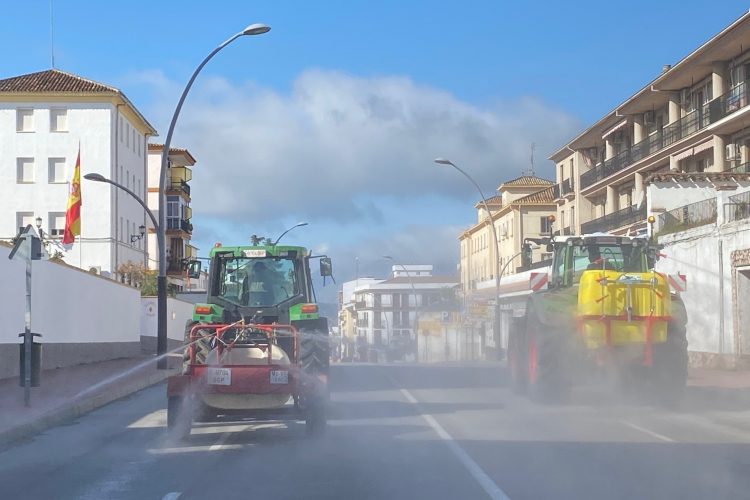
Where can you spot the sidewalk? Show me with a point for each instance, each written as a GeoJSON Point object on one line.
{"type": "Point", "coordinates": [67, 393]}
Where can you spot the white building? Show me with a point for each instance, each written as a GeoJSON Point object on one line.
{"type": "Point", "coordinates": [44, 117]}
{"type": "Point", "coordinates": [179, 213]}
{"type": "Point", "coordinates": [386, 310]}
{"type": "Point", "coordinates": [703, 221]}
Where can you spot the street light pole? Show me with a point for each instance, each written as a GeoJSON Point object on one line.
{"type": "Point", "coordinates": [299, 224]}
{"type": "Point", "coordinates": [443, 161]}
{"type": "Point", "coordinates": [416, 306]}
{"type": "Point", "coordinates": [161, 280]}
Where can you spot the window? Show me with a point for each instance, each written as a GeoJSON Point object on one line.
{"type": "Point", "coordinates": [127, 136]}
{"type": "Point", "coordinates": [127, 179]}
{"type": "Point", "coordinates": [56, 170]}
{"type": "Point", "coordinates": [58, 120]}
{"type": "Point", "coordinates": [545, 225]}
{"type": "Point", "coordinates": [25, 170]}
{"type": "Point", "coordinates": [121, 132]}
{"type": "Point", "coordinates": [56, 224]}
{"type": "Point", "coordinates": [24, 120]}
{"type": "Point", "coordinates": [122, 227]}
{"type": "Point", "coordinates": [173, 212]}
{"type": "Point", "coordinates": [572, 219]}
{"type": "Point", "coordinates": [24, 219]}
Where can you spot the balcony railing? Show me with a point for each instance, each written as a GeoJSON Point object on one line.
{"type": "Point", "coordinates": [179, 185]}
{"type": "Point", "coordinates": [179, 224]}
{"type": "Point", "coordinates": [176, 265]}
{"type": "Point", "coordinates": [567, 187]}
{"type": "Point", "coordinates": [711, 112]}
{"type": "Point", "coordinates": [696, 214]}
{"type": "Point", "coordinates": [556, 191]}
{"type": "Point", "coordinates": [743, 168]}
{"type": "Point", "coordinates": [624, 217]}
{"type": "Point", "coordinates": [738, 207]}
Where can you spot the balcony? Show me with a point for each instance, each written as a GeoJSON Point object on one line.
{"type": "Point", "coordinates": [175, 224]}
{"type": "Point", "coordinates": [688, 216]}
{"type": "Point", "coordinates": [698, 119]}
{"type": "Point", "coordinates": [179, 186]}
{"type": "Point", "coordinates": [609, 222]}
{"type": "Point", "coordinates": [563, 191]}
{"type": "Point", "coordinates": [176, 266]}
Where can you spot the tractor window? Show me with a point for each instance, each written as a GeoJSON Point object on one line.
{"type": "Point", "coordinates": [625, 258]}
{"type": "Point", "coordinates": [257, 282]}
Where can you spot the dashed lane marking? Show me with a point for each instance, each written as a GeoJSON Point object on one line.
{"type": "Point", "coordinates": [487, 484]}
{"type": "Point", "coordinates": [174, 495]}
{"type": "Point", "coordinates": [651, 433]}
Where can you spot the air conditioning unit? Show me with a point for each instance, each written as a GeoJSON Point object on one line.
{"type": "Point", "coordinates": [731, 151]}
{"type": "Point", "coordinates": [95, 269]}
{"type": "Point", "coordinates": [649, 118]}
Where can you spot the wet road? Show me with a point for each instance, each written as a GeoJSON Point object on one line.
{"type": "Point", "coordinates": [399, 432]}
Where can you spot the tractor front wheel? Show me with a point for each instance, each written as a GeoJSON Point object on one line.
{"type": "Point", "coordinates": [518, 362]}
{"type": "Point", "coordinates": [548, 377]}
{"type": "Point", "coordinates": [670, 367]}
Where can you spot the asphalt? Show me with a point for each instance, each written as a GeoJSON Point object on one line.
{"type": "Point", "coordinates": [399, 431]}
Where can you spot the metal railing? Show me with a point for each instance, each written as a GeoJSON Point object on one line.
{"type": "Point", "coordinates": [556, 191]}
{"type": "Point", "coordinates": [695, 214]}
{"type": "Point", "coordinates": [624, 217]}
{"type": "Point", "coordinates": [175, 265]}
{"type": "Point", "coordinates": [743, 168]}
{"type": "Point", "coordinates": [711, 112]}
{"type": "Point", "coordinates": [738, 207]}
{"type": "Point", "coordinates": [179, 224]}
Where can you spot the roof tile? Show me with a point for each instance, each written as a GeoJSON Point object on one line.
{"type": "Point", "coordinates": [53, 80]}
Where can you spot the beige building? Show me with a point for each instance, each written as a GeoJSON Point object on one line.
{"type": "Point", "coordinates": [520, 210]}
{"type": "Point", "coordinates": [691, 118]}
{"type": "Point", "coordinates": [179, 213]}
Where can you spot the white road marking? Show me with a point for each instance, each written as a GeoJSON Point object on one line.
{"type": "Point", "coordinates": [193, 449]}
{"type": "Point", "coordinates": [154, 419]}
{"type": "Point", "coordinates": [651, 433]}
{"type": "Point", "coordinates": [487, 484]}
{"type": "Point", "coordinates": [219, 444]}
{"type": "Point", "coordinates": [174, 495]}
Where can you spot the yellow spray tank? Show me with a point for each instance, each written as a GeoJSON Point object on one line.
{"type": "Point", "coordinates": [616, 308]}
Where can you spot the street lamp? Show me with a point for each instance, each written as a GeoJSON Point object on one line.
{"type": "Point", "coordinates": [443, 161]}
{"type": "Point", "coordinates": [299, 224]}
{"type": "Point", "coordinates": [141, 233]}
{"type": "Point", "coordinates": [416, 305]}
{"type": "Point", "coordinates": [161, 280]}
{"type": "Point", "coordinates": [101, 178]}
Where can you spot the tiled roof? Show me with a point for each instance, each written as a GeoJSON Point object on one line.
{"type": "Point", "coordinates": [53, 80]}
{"type": "Point", "coordinates": [527, 180]}
{"type": "Point", "coordinates": [494, 200]}
{"type": "Point", "coordinates": [544, 196]}
{"type": "Point", "coordinates": [172, 150]}
{"type": "Point", "coordinates": [697, 176]}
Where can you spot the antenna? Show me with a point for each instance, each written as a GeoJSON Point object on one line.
{"type": "Point", "coordinates": [51, 34]}
{"type": "Point", "coordinates": [530, 171]}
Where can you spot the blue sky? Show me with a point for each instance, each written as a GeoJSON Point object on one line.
{"type": "Point", "coordinates": [335, 115]}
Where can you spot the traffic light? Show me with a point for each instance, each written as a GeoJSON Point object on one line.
{"type": "Point", "coordinates": [526, 256]}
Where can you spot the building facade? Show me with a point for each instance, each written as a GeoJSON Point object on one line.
{"type": "Point", "coordinates": [45, 118]}
{"type": "Point", "coordinates": [520, 210]}
{"type": "Point", "coordinates": [691, 118]}
{"type": "Point", "coordinates": [179, 214]}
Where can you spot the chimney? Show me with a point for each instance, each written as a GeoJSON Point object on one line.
{"type": "Point", "coordinates": [665, 68]}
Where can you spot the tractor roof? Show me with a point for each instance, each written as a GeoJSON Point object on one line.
{"type": "Point", "coordinates": [601, 238]}
{"type": "Point", "coordinates": [259, 251]}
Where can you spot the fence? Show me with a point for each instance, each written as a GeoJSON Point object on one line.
{"type": "Point", "coordinates": [737, 208]}
{"type": "Point", "coordinates": [688, 216]}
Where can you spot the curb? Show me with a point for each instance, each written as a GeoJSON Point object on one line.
{"type": "Point", "coordinates": [59, 415]}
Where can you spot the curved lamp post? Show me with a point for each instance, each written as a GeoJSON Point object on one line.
{"type": "Point", "coordinates": [416, 305]}
{"type": "Point", "coordinates": [161, 281]}
{"type": "Point", "coordinates": [443, 161]}
{"type": "Point", "coordinates": [299, 224]}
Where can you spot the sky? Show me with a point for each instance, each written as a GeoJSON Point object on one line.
{"type": "Point", "coordinates": [334, 117]}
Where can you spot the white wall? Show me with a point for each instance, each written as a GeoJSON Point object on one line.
{"type": "Point", "coordinates": [178, 314]}
{"type": "Point", "coordinates": [695, 253]}
{"type": "Point", "coordinates": [68, 305]}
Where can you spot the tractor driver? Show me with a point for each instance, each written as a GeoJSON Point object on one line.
{"type": "Point", "coordinates": [596, 261]}
{"type": "Point", "coordinates": [258, 287]}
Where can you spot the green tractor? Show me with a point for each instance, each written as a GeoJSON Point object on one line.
{"type": "Point", "coordinates": [265, 284]}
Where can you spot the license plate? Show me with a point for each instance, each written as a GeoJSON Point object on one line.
{"type": "Point", "coordinates": [279, 377]}
{"type": "Point", "coordinates": [219, 376]}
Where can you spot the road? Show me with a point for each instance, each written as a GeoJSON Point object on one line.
{"type": "Point", "coordinates": [398, 431]}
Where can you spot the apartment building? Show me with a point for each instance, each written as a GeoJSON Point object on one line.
{"type": "Point", "coordinates": [691, 118]}
{"type": "Point", "coordinates": [179, 214]}
{"type": "Point", "coordinates": [44, 118]}
{"type": "Point", "coordinates": [521, 209]}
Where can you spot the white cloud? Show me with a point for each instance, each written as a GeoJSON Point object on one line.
{"type": "Point", "coordinates": [335, 139]}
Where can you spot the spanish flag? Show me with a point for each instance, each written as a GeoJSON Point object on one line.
{"type": "Point", "coordinates": [73, 213]}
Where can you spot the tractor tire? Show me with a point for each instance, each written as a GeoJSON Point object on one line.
{"type": "Point", "coordinates": [202, 348]}
{"type": "Point", "coordinates": [670, 366]}
{"type": "Point", "coordinates": [314, 353]}
{"type": "Point", "coordinates": [179, 417]}
{"type": "Point", "coordinates": [547, 372]}
{"type": "Point", "coordinates": [518, 362]}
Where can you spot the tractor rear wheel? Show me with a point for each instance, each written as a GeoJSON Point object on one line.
{"type": "Point", "coordinates": [316, 420]}
{"type": "Point", "coordinates": [548, 377]}
{"type": "Point", "coordinates": [670, 366]}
